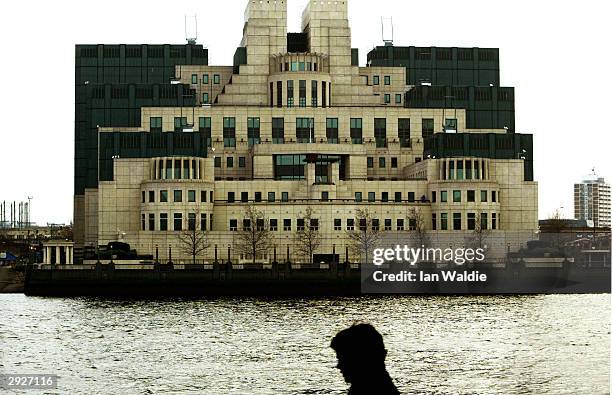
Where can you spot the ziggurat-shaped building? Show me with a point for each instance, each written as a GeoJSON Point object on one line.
{"type": "Point", "coordinates": [165, 142]}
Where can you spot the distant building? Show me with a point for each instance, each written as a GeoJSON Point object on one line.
{"type": "Point", "coordinates": [592, 201]}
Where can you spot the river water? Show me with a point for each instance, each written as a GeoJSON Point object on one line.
{"type": "Point", "coordinates": [543, 344]}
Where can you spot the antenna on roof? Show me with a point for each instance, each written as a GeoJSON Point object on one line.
{"type": "Point", "coordinates": [386, 25]}
{"type": "Point", "coordinates": [191, 29]}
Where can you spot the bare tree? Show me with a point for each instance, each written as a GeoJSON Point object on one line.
{"type": "Point", "coordinates": [479, 236]}
{"type": "Point", "coordinates": [416, 223]}
{"type": "Point", "coordinates": [193, 240]}
{"type": "Point", "coordinates": [308, 238]}
{"type": "Point", "coordinates": [365, 238]}
{"type": "Point", "coordinates": [255, 237]}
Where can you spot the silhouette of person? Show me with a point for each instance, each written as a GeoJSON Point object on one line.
{"type": "Point", "coordinates": [361, 359]}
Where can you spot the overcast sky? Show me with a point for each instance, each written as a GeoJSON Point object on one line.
{"type": "Point", "coordinates": [554, 53]}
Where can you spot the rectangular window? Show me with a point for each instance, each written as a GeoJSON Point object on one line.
{"type": "Point", "coordinates": [233, 226]}
{"type": "Point", "coordinates": [163, 221]}
{"type": "Point", "coordinates": [400, 224]}
{"type": "Point", "coordinates": [204, 78]}
{"type": "Point", "coordinates": [273, 225]}
{"type": "Point", "coordinates": [151, 222]}
{"type": "Point", "coordinates": [229, 132]}
{"type": "Point", "coordinates": [471, 196]}
{"type": "Point", "coordinates": [178, 196]}
{"type": "Point", "coordinates": [194, 79]}
{"type": "Point", "coordinates": [203, 196]}
{"type": "Point", "coordinates": [230, 162]}
{"type": "Point", "coordinates": [460, 170]}
{"type": "Point", "coordinates": [376, 80]}
{"type": "Point", "coordinates": [456, 221]}
{"type": "Point", "coordinates": [191, 196]}
{"type": "Point", "coordinates": [241, 161]}
{"type": "Point", "coordinates": [142, 222]}
{"type": "Point", "coordinates": [484, 221]}
{"type": "Point", "coordinates": [284, 196]}
{"type": "Point", "coordinates": [456, 196]}
{"type": "Point", "coordinates": [387, 98]}
{"type": "Point", "coordinates": [388, 224]}
{"type": "Point", "coordinates": [494, 196]}
{"type": "Point", "coordinates": [483, 196]}
{"type": "Point", "coordinates": [394, 163]}
{"type": "Point", "coordinates": [398, 98]}
{"type": "Point", "coordinates": [205, 98]}
{"type": "Point", "coordinates": [304, 130]}
{"type": "Point", "coordinates": [358, 197]}
{"type": "Point", "coordinates": [444, 221]}
{"type": "Point", "coordinates": [290, 93]}
{"type": "Point", "coordinates": [279, 93]}
{"type": "Point", "coordinates": [191, 221]}
{"type": "Point", "coordinates": [427, 127]}
{"type": "Point", "coordinates": [155, 124]}
{"type": "Point", "coordinates": [253, 131]}
{"type": "Point", "coordinates": [257, 197]}
{"type": "Point", "coordinates": [302, 92]}
{"type": "Point", "coordinates": [471, 221]}
{"type": "Point", "coordinates": [142, 200]}
{"type": "Point", "coordinates": [384, 196]}
{"type": "Point", "coordinates": [468, 169]}
{"type": "Point", "coordinates": [337, 224]}
{"type": "Point", "coordinates": [246, 224]}
{"type": "Point", "coordinates": [433, 196]}
{"type": "Point", "coordinates": [212, 198]}
{"type": "Point", "coordinates": [231, 197]}
{"type": "Point", "coordinates": [375, 224]}
{"type": "Point", "coordinates": [443, 196]}
{"type": "Point", "coordinates": [216, 79]}
{"type": "Point", "coordinates": [300, 224]}
{"type": "Point", "coordinates": [411, 197]}
{"type": "Point", "coordinates": [332, 130]}
{"type": "Point", "coordinates": [314, 224]}
{"type": "Point", "coordinates": [278, 130]}
{"type": "Point", "coordinates": [203, 224]}
{"type": "Point", "coordinates": [403, 131]}
{"type": "Point", "coordinates": [434, 222]}
{"type": "Point", "coordinates": [323, 94]}
{"type": "Point", "coordinates": [371, 196]}
{"type": "Point", "coordinates": [350, 224]}
{"type": "Point", "coordinates": [451, 170]}
{"type": "Point", "coordinates": [356, 131]}
{"type": "Point", "coordinates": [178, 221]}
{"type": "Point", "coordinates": [494, 221]}
{"type": "Point", "coordinates": [271, 197]}
{"type": "Point", "coordinates": [287, 225]}
{"type": "Point", "coordinates": [217, 161]}
{"type": "Point", "coordinates": [387, 80]}
{"type": "Point", "coordinates": [398, 197]}
{"type": "Point", "coordinates": [206, 130]}
{"type": "Point", "coordinates": [370, 161]}
{"type": "Point", "coordinates": [163, 196]}
{"type": "Point", "coordinates": [180, 123]}
{"type": "Point", "coordinates": [314, 94]}
{"type": "Point", "coordinates": [324, 196]}
{"type": "Point", "coordinates": [244, 197]}
{"type": "Point", "coordinates": [382, 163]}
{"type": "Point", "coordinates": [380, 132]}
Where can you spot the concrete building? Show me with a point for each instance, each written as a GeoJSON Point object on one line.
{"type": "Point", "coordinates": [165, 142]}
{"type": "Point", "coordinates": [592, 201]}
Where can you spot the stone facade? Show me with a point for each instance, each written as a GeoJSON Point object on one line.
{"type": "Point", "coordinates": [281, 108]}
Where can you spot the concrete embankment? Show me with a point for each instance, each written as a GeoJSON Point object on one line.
{"type": "Point", "coordinates": [11, 281]}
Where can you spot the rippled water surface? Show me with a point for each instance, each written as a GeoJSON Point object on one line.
{"type": "Point", "coordinates": [555, 344]}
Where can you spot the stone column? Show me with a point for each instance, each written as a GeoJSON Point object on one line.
{"type": "Point", "coordinates": [44, 254]}
{"type": "Point", "coordinates": [57, 255]}
{"type": "Point", "coordinates": [163, 167]}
